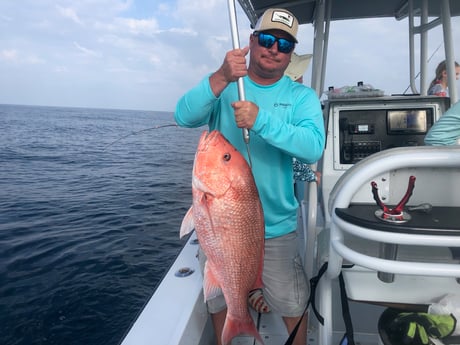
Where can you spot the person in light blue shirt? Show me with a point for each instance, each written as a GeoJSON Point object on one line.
{"type": "Point", "coordinates": [446, 131]}
{"type": "Point", "coordinates": [285, 120]}
{"type": "Point", "coordinates": [295, 70]}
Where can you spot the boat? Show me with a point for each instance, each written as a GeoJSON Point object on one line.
{"type": "Point", "coordinates": [403, 255]}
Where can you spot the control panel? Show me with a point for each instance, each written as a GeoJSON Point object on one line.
{"type": "Point", "coordinates": [363, 127]}
{"type": "Point", "coordinates": [363, 132]}
{"type": "Point", "coordinates": [354, 151]}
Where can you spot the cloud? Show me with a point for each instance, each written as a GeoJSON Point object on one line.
{"type": "Point", "coordinates": [5, 18]}
{"type": "Point", "coordinates": [33, 60]}
{"type": "Point", "coordinates": [60, 69]}
{"type": "Point", "coordinates": [122, 43]}
{"type": "Point", "coordinates": [9, 54]}
{"type": "Point", "coordinates": [70, 13]}
{"type": "Point", "coordinates": [86, 51]}
{"type": "Point", "coordinates": [120, 6]}
{"type": "Point", "coordinates": [145, 54]}
{"type": "Point", "coordinates": [138, 26]}
{"type": "Point", "coordinates": [13, 56]}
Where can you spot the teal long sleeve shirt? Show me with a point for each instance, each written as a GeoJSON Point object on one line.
{"type": "Point", "coordinates": [445, 131]}
{"type": "Point", "coordinates": [289, 124]}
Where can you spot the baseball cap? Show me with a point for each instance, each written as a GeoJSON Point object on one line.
{"type": "Point", "coordinates": [297, 66]}
{"type": "Point", "coordinates": [278, 18]}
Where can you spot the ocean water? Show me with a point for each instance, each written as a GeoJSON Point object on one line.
{"type": "Point", "coordinates": [90, 208]}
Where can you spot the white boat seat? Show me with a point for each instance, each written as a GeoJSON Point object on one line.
{"type": "Point", "coordinates": [380, 287]}
{"type": "Point", "coordinates": [420, 262]}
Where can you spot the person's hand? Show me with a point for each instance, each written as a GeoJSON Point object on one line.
{"type": "Point", "coordinates": [245, 113]}
{"type": "Point", "coordinates": [233, 67]}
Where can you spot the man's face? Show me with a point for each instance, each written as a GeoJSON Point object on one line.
{"type": "Point", "coordinates": [269, 62]}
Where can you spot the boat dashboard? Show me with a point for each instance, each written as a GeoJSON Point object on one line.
{"type": "Point", "coordinates": [359, 128]}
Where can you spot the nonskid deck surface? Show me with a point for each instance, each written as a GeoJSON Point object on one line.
{"type": "Point", "coordinates": [273, 331]}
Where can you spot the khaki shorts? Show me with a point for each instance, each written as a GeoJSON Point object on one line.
{"type": "Point", "coordinates": [285, 284]}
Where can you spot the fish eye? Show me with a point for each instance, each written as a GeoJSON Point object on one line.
{"type": "Point", "coordinates": [227, 157]}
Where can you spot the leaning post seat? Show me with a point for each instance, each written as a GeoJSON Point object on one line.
{"type": "Point", "coordinates": [411, 261]}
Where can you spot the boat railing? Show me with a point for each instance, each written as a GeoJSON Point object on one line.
{"type": "Point", "coordinates": [309, 213]}
{"type": "Point", "coordinates": [176, 313]}
{"type": "Point", "coordinates": [436, 164]}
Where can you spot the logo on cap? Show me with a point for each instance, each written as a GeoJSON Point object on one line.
{"type": "Point", "coordinates": [282, 17]}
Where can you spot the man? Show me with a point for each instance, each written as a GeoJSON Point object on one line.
{"type": "Point", "coordinates": [285, 120]}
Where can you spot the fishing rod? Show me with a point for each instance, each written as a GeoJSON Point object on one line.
{"type": "Point", "coordinates": [236, 45]}
{"type": "Point", "coordinates": [429, 59]}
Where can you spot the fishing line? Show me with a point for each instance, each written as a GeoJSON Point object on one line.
{"type": "Point", "coordinates": [240, 82]}
{"type": "Point", "coordinates": [249, 155]}
{"type": "Point", "coordinates": [141, 131]}
{"type": "Point", "coordinates": [429, 59]}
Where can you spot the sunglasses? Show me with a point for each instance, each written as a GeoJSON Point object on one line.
{"type": "Point", "coordinates": [268, 40]}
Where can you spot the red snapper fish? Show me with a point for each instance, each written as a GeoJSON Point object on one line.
{"type": "Point", "coordinates": [228, 218]}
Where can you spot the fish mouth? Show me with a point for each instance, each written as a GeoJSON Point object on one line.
{"type": "Point", "coordinates": [199, 185]}
{"type": "Point", "coordinates": [209, 190]}
{"type": "Point", "coordinates": [207, 139]}
{"type": "Point", "coordinates": [203, 144]}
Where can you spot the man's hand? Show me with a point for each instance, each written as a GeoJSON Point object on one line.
{"type": "Point", "coordinates": [233, 67]}
{"type": "Point", "coordinates": [245, 113]}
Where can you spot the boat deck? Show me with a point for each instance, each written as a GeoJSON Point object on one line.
{"type": "Point", "coordinates": [345, 181]}
{"type": "Point", "coordinates": [272, 330]}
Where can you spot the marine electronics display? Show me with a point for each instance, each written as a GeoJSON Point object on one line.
{"type": "Point", "coordinates": [366, 126]}
{"type": "Point", "coordinates": [409, 121]}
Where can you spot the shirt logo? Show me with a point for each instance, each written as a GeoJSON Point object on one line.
{"type": "Point", "coordinates": [282, 105]}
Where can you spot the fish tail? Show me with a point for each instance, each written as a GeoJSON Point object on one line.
{"type": "Point", "coordinates": [234, 327]}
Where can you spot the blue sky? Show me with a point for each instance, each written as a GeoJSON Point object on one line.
{"type": "Point", "coordinates": [144, 54]}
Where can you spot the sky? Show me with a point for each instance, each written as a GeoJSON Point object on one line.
{"type": "Point", "coordinates": [145, 54]}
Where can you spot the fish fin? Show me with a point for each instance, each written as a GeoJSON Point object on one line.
{"type": "Point", "coordinates": [234, 327]}
{"type": "Point", "coordinates": [211, 287]}
{"type": "Point", "coordinates": [187, 223]}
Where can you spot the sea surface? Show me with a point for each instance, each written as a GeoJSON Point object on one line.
{"type": "Point", "coordinates": [91, 201]}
